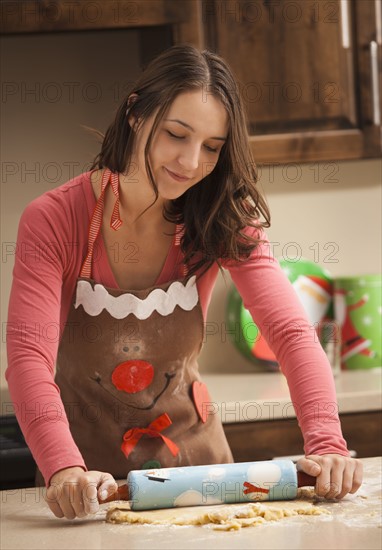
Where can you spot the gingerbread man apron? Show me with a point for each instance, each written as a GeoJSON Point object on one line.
{"type": "Point", "coordinates": [128, 373]}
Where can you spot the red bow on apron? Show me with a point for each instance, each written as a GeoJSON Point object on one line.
{"type": "Point", "coordinates": [131, 437]}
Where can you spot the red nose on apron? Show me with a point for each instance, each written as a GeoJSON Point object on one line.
{"type": "Point", "coordinates": [133, 376]}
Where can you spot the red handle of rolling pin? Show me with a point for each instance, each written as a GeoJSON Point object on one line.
{"type": "Point", "coordinates": [305, 480]}
{"type": "Point", "coordinates": [122, 493]}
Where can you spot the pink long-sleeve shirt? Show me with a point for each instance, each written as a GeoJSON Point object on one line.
{"type": "Point", "coordinates": [51, 245]}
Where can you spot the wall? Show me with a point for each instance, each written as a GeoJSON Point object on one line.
{"type": "Point", "coordinates": [53, 84]}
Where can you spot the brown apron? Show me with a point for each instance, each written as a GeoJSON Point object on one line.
{"type": "Point", "coordinates": [128, 373]}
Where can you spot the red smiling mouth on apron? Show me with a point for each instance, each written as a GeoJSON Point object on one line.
{"type": "Point", "coordinates": [168, 377]}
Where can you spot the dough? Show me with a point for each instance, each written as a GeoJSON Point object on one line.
{"type": "Point", "coordinates": [225, 517]}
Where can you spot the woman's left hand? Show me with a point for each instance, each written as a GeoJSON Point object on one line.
{"type": "Point", "coordinates": [336, 475]}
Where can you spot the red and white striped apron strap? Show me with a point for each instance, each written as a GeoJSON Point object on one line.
{"type": "Point", "coordinates": [179, 232]}
{"type": "Point", "coordinates": [96, 220]}
{"type": "Point", "coordinates": [115, 222]}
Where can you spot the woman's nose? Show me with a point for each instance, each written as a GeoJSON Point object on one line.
{"type": "Point", "coordinates": [189, 159]}
{"type": "Point", "coordinates": [133, 376]}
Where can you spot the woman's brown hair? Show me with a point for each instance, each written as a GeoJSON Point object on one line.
{"type": "Point", "coordinates": [217, 209]}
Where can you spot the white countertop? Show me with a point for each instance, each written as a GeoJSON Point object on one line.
{"type": "Point", "coordinates": [265, 396]}
{"type": "Point", "coordinates": [353, 523]}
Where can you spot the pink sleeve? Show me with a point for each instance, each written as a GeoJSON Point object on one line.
{"type": "Point", "coordinates": [33, 332]}
{"type": "Point", "coordinates": [277, 311]}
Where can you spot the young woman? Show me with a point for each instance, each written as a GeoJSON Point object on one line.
{"type": "Point", "coordinates": [123, 259]}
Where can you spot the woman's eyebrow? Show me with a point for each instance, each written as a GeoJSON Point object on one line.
{"type": "Point", "coordinates": [190, 127]}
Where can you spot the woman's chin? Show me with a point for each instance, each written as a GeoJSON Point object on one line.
{"type": "Point", "coordinates": [167, 194]}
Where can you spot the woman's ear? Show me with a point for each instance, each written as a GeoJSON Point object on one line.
{"type": "Point", "coordinates": [132, 120]}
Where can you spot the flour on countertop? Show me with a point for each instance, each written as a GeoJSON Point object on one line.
{"type": "Point", "coordinates": [228, 517]}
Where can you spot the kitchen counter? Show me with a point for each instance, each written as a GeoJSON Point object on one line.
{"type": "Point", "coordinates": [265, 396]}
{"type": "Point", "coordinates": [353, 523]}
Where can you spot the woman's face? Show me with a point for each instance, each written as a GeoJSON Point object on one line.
{"type": "Point", "coordinates": [187, 143]}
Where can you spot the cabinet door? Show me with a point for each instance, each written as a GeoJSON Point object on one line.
{"type": "Point", "coordinates": [305, 72]}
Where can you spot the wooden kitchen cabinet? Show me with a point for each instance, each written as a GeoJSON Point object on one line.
{"type": "Point", "coordinates": [32, 16]}
{"type": "Point", "coordinates": [264, 440]}
{"type": "Point", "coordinates": [309, 72]}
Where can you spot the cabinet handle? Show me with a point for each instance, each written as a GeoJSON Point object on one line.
{"type": "Point", "coordinates": [345, 25]}
{"type": "Point", "coordinates": [375, 83]}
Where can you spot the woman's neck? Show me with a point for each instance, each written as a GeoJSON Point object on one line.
{"type": "Point", "coordinates": [135, 197]}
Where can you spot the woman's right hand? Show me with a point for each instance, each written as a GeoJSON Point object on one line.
{"type": "Point", "coordinates": [72, 492]}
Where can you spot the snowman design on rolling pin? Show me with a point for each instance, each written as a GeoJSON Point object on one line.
{"type": "Point", "coordinates": [269, 472]}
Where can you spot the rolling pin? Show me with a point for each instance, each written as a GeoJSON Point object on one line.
{"type": "Point", "coordinates": [212, 484]}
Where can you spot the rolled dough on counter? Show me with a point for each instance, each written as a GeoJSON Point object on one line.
{"type": "Point", "coordinates": [224, 517]}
